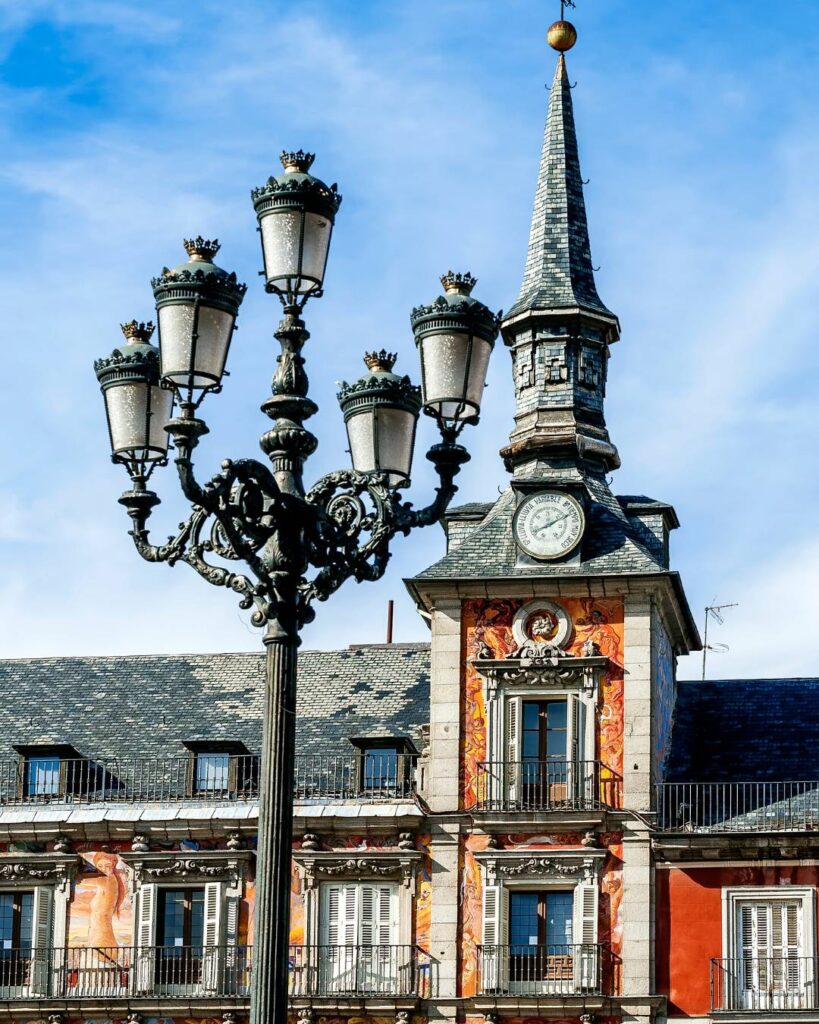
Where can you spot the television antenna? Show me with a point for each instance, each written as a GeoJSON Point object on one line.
{"type": "Point", "coordinates": [714, 611]}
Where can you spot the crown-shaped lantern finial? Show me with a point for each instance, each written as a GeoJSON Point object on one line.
{"type": "Point", "coordinates": [137, 332]}
{"type": "Point", "coordinates": [380, 362]}
{"type": "Point", "coordinates": [201, 249]}
{"type": "Point", "coordinates": [458, 284]}
{"type": "Point", "coordinates": [297, 161]}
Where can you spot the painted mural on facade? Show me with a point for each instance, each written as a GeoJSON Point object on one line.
{"type": "Point", "coordinates": [488, 623]}
{"type": "Point", "coordinates": [664, 694]}
{"type": "Point", "coordinates": [610, 922]}
{"type": "Point", "coordinates": [100, 913]}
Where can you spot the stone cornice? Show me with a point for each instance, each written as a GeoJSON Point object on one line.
{"type": "Point", "coordinates": [522, 865]}
{"type": "Point", "coordinates": [567, 672]}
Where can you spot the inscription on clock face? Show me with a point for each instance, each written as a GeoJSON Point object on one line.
{"type": "Point", "coordinates": [549, 525]}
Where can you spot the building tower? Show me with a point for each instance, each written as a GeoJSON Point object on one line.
{"type": "Point", "coordinates": [556, 624]}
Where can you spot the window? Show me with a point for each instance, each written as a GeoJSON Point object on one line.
{"type": "Point", "coordinates": [212, 773]}
{"type": "Point", "coordinates": [42, 776]}
{"type": "Point", "coordinates": [359, 927]}
{"type": "Point", "coordinates": [380, 768]}
{"type": "Point", "coordinates": [25, 940]}
{"type": "Point", "coordinates": [771, 948]}
{"type": "Point", "coordinates": [183, 935]}
{"type": "Point", "coordinates": [221, 768]}
{"type": "Point", "coordinates": [539, 939]}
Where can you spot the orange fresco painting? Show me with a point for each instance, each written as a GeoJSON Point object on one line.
{"type": "Point", "coordinates": [297, 921]}
{"type": "Point", "coordinates": [423, 895]}
{"type": "Point", "coordinates": [100, 914]}
{"type": "Point", "coordinates": [489, 622]}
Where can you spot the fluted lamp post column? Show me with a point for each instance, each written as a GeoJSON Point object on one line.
{"type": "Point", "coordinates": [253, 527]}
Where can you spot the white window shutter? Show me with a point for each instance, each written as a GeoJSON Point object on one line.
{"type": "Point", "coordinates": [493, 935]}
{"type": "Point", "coordinates": [145, 932]}
{"type": "Point", "coordinates": [340, 926]}
{"type": "Point", "coordinates": [512, 767]}
{"type": "Point", "coordinates": [212, 936]}
{"type": "Point", "coordinates": [587, 965]}
{"type": "Point", "coordinates": [231, 929]}
{"type": "Point", "coordinates": [43, 910]}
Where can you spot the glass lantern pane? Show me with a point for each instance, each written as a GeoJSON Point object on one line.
{"type": "Point", "coordinates": [127, 409]}
{"type": "Point", "coordinates": [281, 241]}
{"type": "Point", "coordinates": [205, 366]}
{"type": "Point", "coordinates": [443, 361]}
{"type": "Point", "coordinates": [161, 408]}
{"type": "Point", "coordinates": [396, 434]}
{"type": "Point", "coordinates": [360, 436]}
{"type": "Point", "coordinates": [317, 231]}
{"type": "Point", "coordinates": [478, 366]}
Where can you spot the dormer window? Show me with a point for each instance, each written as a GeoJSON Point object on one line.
{"type": "Point", "coordinates": [385, 765]}
{"type": "Point", "coordinates": [220, 767]}
{"type": "Point", "coordinates": [50, 771]}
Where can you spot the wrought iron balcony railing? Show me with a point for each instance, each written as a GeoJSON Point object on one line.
{"type": "Point", "coordinates": [386, 776]}
{"type": "Point", "coordinates": [777, 983]}
{"type": "Point", "coordinates": [525, 970]}
{"type": "Point", "coordinates": [349, 971]}
{"type": "Point", "coordinates": [120, 972]}
{"type": "Point", "coordinates": [737, 806]}
{"type": "Point", "coordinates": [547, 786]}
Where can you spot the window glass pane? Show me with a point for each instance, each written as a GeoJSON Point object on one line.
{"type": "Point", "coordinates": [26, 902]}
{"type": "Point", "coordinates": [43, 776]}
{"type": "Point", "coordinates": [559, 918]}
{"type": "Point", "coordinates": [523, 922]}
{"type": "Point", "coordinates": [6, 920]}
{"type": "Point", "coordinates": [212, 772]}
{"type": "Point", "coordinates": [197, 917]}
{"type": "Point", "coordinates": [556, 731]}
{"type": "Point", "coordinates": [171, 924]}
{"type": "Point", "coordinates": [380, 767]}
{"type": "Point", "coordinates": [530, 740]}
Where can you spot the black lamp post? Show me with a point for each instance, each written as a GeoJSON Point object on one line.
{"type": "Point", "coordinates": [295, 548]}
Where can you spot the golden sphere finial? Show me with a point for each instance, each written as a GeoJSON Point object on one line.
{"type": "Point", "coordinates": [562, 36]}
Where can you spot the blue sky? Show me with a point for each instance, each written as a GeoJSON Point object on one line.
{"type": "Point", "coordinates": [126, 126]}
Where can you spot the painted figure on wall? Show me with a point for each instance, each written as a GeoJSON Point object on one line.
{"type": "Point", "coordinates": [100, 915]}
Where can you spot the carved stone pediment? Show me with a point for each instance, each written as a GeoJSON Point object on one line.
{"type": "Point", "coordinates": [187, 866]}
{"type": "Point", "coordinates": [523, 865]}
{"type": "Point", "coordinates": [38, 868]}
{"type": "Point", "coordinates": [398, 864]}
{"type": "Point", "coordinates": [542, 665]}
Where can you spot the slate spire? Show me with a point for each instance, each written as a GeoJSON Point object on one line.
{"type": "Point", "coordinates": [559, 271]}
{"type": "Point", "coordinates": [559, 331]}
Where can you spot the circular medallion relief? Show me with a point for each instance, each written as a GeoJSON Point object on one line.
{"type": "Point", "coordinates": [541, 622]}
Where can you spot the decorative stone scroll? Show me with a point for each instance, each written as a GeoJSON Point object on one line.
{"type": "Point", "coordinates": [398, 865]}
{"type": "Point", "coordinates": [36, 868]}
{"type": "Point", "coordinates": [583, 867]}
{"type": "Point", "coordinates": [202, 866]}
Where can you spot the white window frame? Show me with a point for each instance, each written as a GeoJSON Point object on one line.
{"type": "Point", "coordinates": [223, 888]}
{"type": "Point", "coordinates": [579, 878]}
{"type": "Point", "coordinates": [733, 899]}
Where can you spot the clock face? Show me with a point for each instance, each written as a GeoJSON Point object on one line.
{"type": "Point", "coordinates": [549, 525]}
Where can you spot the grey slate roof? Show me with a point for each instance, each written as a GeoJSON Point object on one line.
{"type": "Point", "coordinates": [559, 272]}
{"type": "Point", "coordinates": [613, 545]}
{"type": "Point", "coordinates": [745, 730]}
{"type": "Point", "coordinates": [148, 705]}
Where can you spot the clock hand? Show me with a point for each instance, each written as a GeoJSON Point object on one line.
{"type": "Point", "coordinates": [540, 531]}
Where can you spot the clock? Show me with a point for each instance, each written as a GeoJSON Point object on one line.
{"type": "Point", "coordinates": [549, 525]}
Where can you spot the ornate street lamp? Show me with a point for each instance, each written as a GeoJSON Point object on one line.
{"type": "Point", "coordinates": [295, 547]}
{"type": "Point", "coordinates": [196, 307]}
{"type": "Point", "coordinates": [136, 407]}
{"type": "Point", "coordinates": [381, 413]}
{"type": "Point", "coordinates": [455, 336]}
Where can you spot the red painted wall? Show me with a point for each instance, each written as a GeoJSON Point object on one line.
{"type": "Point", "coordinates": [689, 926]}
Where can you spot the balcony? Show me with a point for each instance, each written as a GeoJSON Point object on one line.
{"type": "Point", "coordinates": [721, 807]}
{"type": "Point", "coordinates": [763, 984]}
{"type": "Point", "coordinates": [353, 972]}
{"type": "Point", "coordinates": [84, 781]}
{"type": "Point", "coordinates": [532, 971]}
{"type": "Point", "coordinates": [123, 972]}
{"type": "Point", "coordinates": [547, 786]}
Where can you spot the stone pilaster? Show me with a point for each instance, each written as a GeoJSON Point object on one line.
{"type": "Point", "coordinates": [445, 707]}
